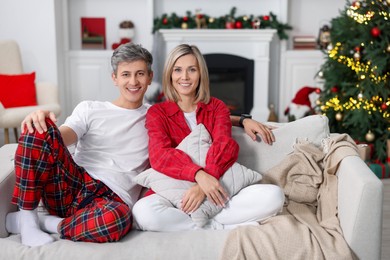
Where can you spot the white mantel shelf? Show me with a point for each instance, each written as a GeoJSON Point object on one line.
{"type": "Point", "coordinates": [248, 43]}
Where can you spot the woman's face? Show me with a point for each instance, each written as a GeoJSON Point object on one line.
{"type": "Point", "coordinates": [185, 75]}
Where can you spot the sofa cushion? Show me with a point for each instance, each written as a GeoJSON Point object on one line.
{"type": "Point", "coordinates": [18, 90]}
{"type": "Point", "coordinates": [261, 157]}
{"type": "Point", "coordinates": [196, 146]}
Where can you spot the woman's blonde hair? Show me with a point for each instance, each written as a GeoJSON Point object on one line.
{"type": "Point", "coordinates": [202, 91]}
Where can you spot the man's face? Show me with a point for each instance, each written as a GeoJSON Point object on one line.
{"type": "Point", "coordinates": [132, 79]}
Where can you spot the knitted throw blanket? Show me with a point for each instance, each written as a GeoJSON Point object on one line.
{"type": "Point", "coordinates": [308, 227]}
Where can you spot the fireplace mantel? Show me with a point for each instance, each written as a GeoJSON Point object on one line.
{"type": "Point", "coordinates": [247, 43]}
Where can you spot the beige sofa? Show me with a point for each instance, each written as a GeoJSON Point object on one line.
{"type": "Point", "coordinates": [359, 204]}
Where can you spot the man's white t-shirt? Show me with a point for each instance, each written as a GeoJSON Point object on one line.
{"type": "Point", "coordinates": [112, 145]}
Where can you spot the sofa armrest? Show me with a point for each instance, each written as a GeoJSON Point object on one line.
{"type": "Point", "coordinates": [7, 182]}
{"type": "Point", "coordinates": [360, 202]}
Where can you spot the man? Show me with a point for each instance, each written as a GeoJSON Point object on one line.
{"type": "Point", "coordinates": [88, 196]}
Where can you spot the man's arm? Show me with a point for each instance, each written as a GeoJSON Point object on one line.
{"type": "Point", "coordinates": [36, 121]}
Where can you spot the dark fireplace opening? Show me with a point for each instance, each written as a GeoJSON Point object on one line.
{"type": "Point", "coordinates": [231, 80]}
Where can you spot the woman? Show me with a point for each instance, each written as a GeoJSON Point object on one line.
{"type": "Point", "coordinates": [186, 88]}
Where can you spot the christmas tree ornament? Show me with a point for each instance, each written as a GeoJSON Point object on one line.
{"type": "Point", "coordinates": [375, 32]}
{"type": "Point", "coordinates": [256, 23]}
{"type": "Point", "coordinates": [383, 106]}
{"type": "Point", "coordinates": [334, 89]}
{"type": "Point", "coordinates": [229, 23]}
{"type": "Point", "coordinates": [370, 136]}
{"type": "Point", "coordinates": [238, 25]}
{"type": "Point", "coordinates": [360, 96]}
{"type": "Point", "coordinates": [185, 19]}
{"type": "Point", "coordinates": [388, 48]}
{"type": "Point", "coordinates": [184, 25]}
{"type": "Point", "coordinates": [200, 20]}
{"type": "Point", "coordinates": [165, 21]}
{"type": "Point", "coordinates": [266, 18]}
{"type": "Point", "coordinates": [356, 4]}
{"type": "Point", "coordinates": [339, 116]}
{"type": "Point", "coordinates": [356, 55]}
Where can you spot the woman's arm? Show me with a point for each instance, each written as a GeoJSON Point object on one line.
{"type": "Point", "coordinates": [224, 149]}
{"type": "Point", "coordinates": [164, 135]}
{"type": "Point", "coordinates": [252, 128]}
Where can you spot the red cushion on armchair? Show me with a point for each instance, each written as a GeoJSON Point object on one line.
{"type": "Point", "coordinates": [18, 90]}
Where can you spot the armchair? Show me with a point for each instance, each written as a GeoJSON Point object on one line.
{"type": "Point", "coordinates": [46, 93]}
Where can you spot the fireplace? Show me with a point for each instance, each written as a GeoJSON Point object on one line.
{"type": "Point", "coordinates": [231, 80]}
{"type": "Point", "coordinates": [244, 44]}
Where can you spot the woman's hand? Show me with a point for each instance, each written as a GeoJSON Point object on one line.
{"type": "Point", "coordinates": [192, 199]}
{"type": "Point", "coordinates": [36, 120]}
{"type": "Point", "coordinates": [252, 127]}
{"type": "Point", "coordinates": [212, 188]}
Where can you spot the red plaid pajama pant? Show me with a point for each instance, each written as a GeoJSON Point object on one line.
{"type": "Point", "coordinates": [45, 171]}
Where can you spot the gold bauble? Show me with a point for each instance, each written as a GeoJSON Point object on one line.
{"type": "Point", "coordinates": [356, 55]}
{"type": "Point", "coordinates": [370, 136]}
{"type": "Point", "coordinates": [388, 46]}
{"type": "Point", "coordinates": [184, 25]}
{"type": "Point", "coordinates": [339, 116]}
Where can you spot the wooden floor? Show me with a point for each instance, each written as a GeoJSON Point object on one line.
{"type": "Point", "coordinates": [386, 209]}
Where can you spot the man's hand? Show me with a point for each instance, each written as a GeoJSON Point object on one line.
{"type": "Point", "coordinates": [252, 128]}
{"type": "Point", "coordinates": [36, 120]}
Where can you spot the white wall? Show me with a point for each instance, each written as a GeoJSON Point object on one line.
{"type": "Point", "coordinates": [37, 25]}
{"type": "Point", "coordinates": [32, 25]}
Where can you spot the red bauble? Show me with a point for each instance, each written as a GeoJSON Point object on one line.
{"type": "Point", "coordinates": [238, 25]}
{"type": "Point", "coordinates": [185, 19]}
{"type": "Point", "coordinates": [165, 21]}
{"type": "Point", "coordinates": [335, 89]}
{"type": "Point", "coordinates": [384, 106]}
{"type": "Point", "coordinates": [375, 32]}
{"type": "Point", "coordinates": [318, 90]}
{"type": "Point", "coordinates": [229, 25]}
{"type": "Point", "coordinates": [266, 18]}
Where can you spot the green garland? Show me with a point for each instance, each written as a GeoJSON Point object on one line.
{"type": "Point", "coordinates": [190, 21]}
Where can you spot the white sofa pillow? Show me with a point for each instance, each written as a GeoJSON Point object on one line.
{"type": "Point", "coordinates": [196, 146]}
{"type": "Point", "coordinates": [261, 157]}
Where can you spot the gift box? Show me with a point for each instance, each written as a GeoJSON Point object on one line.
{"type": "Point", "coordinates": [381, 170]}
{"type": "Point", "coordinates": [364, 151]}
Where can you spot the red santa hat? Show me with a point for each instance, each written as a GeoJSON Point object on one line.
{"type": "Point", "coordinates": [302, 97]}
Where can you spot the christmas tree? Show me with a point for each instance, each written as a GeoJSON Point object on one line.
{"type": "Point", "coordinates": [356, 73]}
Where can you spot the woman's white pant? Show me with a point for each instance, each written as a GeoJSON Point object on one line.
{"type": "Point", "coordinates": [253, 203]}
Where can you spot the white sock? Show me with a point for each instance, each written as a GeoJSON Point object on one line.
{"type": "Point", "coordinates": [12, 222]}
{"type": "Point", "coordinates": [30, 231]}
{"type": "Point", "coordinates": [49, 223]}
